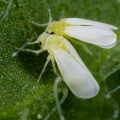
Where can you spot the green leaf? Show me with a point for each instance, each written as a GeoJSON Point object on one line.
{"type": "Point", "coordinates": [21, 97]}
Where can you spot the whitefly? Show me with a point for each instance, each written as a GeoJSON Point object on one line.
{"type": "Point", "coordinates": [63, 55]}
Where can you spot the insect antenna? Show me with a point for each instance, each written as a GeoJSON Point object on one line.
{"type": "Point", "coordinates": [44, 24]}
{"type": "Point", "coordinates": [22, 48]}
{"type": "Point", "coordinates": [50, 18]}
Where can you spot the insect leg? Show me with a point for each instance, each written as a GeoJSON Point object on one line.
{"type": "Point", "coordinates": [44, 67]}
{"type": "Point", "coordinates": [58, 107]}
{"type": "Point", "coordinates": [54, 67]}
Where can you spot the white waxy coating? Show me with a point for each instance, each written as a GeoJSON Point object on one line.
{"type": "Point", "coordinates": [104, 38]}
{"type": "Point", "coordinates": [79, 21]}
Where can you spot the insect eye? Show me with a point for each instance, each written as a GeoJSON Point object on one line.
{"type": "Point", "coordinates": [40, 43]}
{"type": "Point", "coordinates": [52, 33]}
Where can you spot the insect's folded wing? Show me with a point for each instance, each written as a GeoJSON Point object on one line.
{"type": "Point", "coordinates": [79, 80]}
{"type": "Point", "coordinates": [104, 38]}
{"type": "Point", "coordinates": [78, 21]}
{"type": "Point", "coordinates": [73, 53]}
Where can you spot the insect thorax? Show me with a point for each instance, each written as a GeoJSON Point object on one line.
{"type": "Point", "coordinates": [54, 43]}
{"type": "Point", "coordinates": [57, 27]}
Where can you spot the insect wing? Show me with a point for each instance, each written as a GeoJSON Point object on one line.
{"type": "Point", "coordinates": [74, 54]}
{"type": "Point", "coordinates": [79, 80]}
{"type": "Point", "coordinates": [78, 21]}
{"type": "Point", "coordinates": [104, 38]}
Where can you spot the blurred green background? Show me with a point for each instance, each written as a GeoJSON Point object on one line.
{"type": "Point", "coordinates": [20, 97]}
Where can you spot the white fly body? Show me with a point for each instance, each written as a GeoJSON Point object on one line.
{"type": "Point", "coordinates": [93, 32]}
{"type": "Point", "coordinates": [73, 71]}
